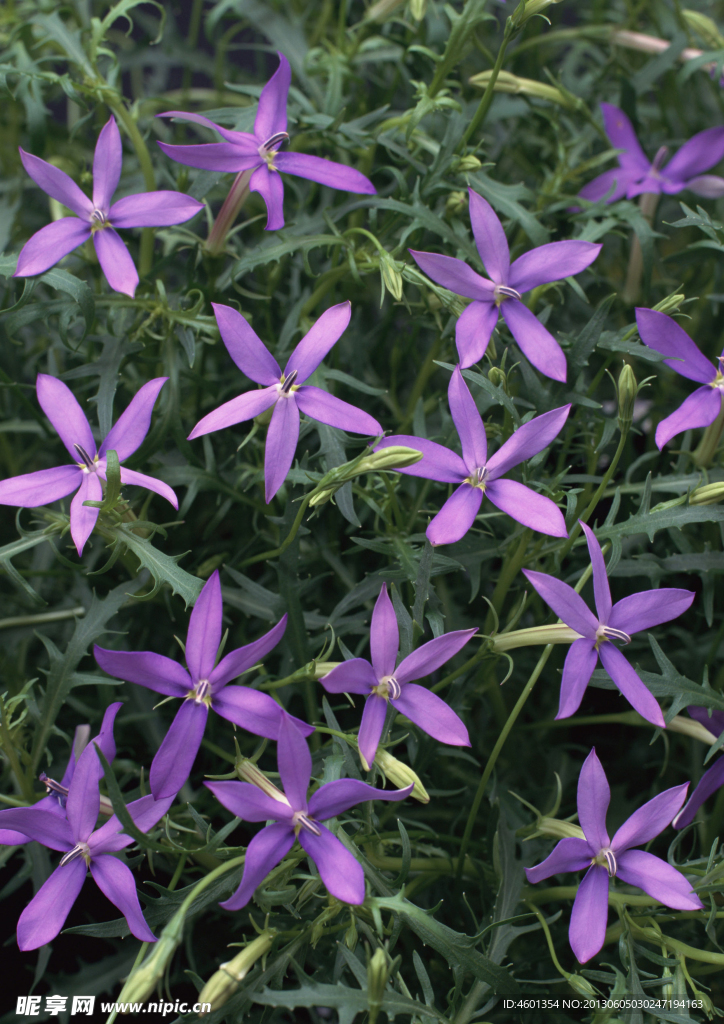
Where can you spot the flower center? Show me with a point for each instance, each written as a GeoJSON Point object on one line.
{"type": "Point", "coordinates": [604, 633]}
{"type": "Point", "coordinates": [606, 858]}
{"type": "Point", "coordinates": [718, 381]}
{"type": "Point", "coordinates": [98, 220]}
{"type": "Point", "coordinates": [268, 149]}
{"type": "Point", "coordinates": [301, 820]}
{"type": "Point", "coordinates": [53, 787]}
{"type": "Point", "coordinates": [288, 382]}
{"type": "Point", "coordinates": [79, 850]}
{"type": "Point", "coordinates": [201, 693]}
{"type": "Point", "coordinates": [503, 292]}
{"type": "Point", "coordinates": [389, 688]}
{"type": "Point", "coordinates": [478, 478]}
{"type": "Point", "coordinates": [88, 465]}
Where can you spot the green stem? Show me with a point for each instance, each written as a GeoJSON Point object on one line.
{"type": "Point", "coordinates": [510, 569]}
{"type": "Point", "coordinates": [487, 98]}
{"type": "Point", "coordinates": [32, 620]}
{"type": "Point", "coordinates": [584, 517]}
{"type": "Point", "coordinates": [9, 751]}
{"type": "Point", "coordinates": [707, 447]}
{"type": "Point", "coordinates": [285, 544]}
{"type": "Point", "coordinates": [144, 159]}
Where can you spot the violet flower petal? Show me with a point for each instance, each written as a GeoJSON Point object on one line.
{"type": "Point", "coordinates": [263, 854]}
{"type": "Point", "coordinates": [601, 589]}
{"type": "Point", "coordinates": [627, 680]}
{"type": "Point", "coordinates": [649, 608]}
{"type": "Point", "coordinates": [40, 824]}
{"type": "Point", "coordinates": [535, 341]}
{"type": "Point", "coordinates": [658, 879]}
{"type": "Point", "coordinates": [384, 637]}
{"type": "Point", "coordinates": [270, 187]}
{"type": "Point", "coordinates": [663, 334]}
{"type": "Point", "coordinates": [245, 142]}
{"type": "Point", "coordinates": [428, 658]}
{"type": "Point", "coordinates": [204, 632]}
{"type": "Point", "coordinates": [245, 407]}
{"type": "Point", "coordinates": [698, 410]}
{"type": "Point", "coordinates": [569, 854]}
{"type": "Point", "coordinates": [154, 210]}
{"type": "Point", "coordinates": [281, 443]}
{"type": "Point", "coordinates": [354, 676]}
{"type": "Point", "coordinates": [468, 422]}
{"type": "Point", "coordinates": [57, 184]}
{"type": "Point", "coordinates": [295, 763]}
{"type": "Point", "coordinates": [238, 661]}
{"type": "Point", "coordinates": [130, 476]}
{"type": "Point", "coordinates": [271, 114]}
{"type": "Point", "coordinates": [324, 171]}
{"type": "Point", "coordinates": [84, 801]}
{"type": "Point", "coordinates": [249, 802]}
{"type": "Point", "coordinates": [489, 238]}
{"type": "Point", "coordinates": [115, 880]}
{"type": "Point", "coordinates": [710, 782]}
{"type": "Point", "coordinates": [578, 668]}
{"type": "Point", "coordinates": [456, 516]}
{"type": "Point", "coordinates": [551, 262]}
{"type": "Point", "coordinates": [115, 261]}
{"type": "Point", "coordinates": [527, 507]}
{"type": "Point", "coordinates": [473, 330]}
{"type": "Point", "coordinates": [83, 518]}
{"type": "Point", "coordinates": [107, 162]}
{"type": "Point", "coordinates": [650, 819]}
{"type": "Point", "coordinates": [565, 602]}
{"type": "Point", "coordinates": [589, 916]}
{"type": "Point", "coordinates": [341, 873]}
{"type": "Point", "coordinates": [335, 797]}
{"type": "Point", "coordinates": [325, 408]}
{"type": "Point", "coordinates": [145, 813]}
{"type": "Point", "coordinates": [133, 424]}
{"type": "Point", "coordinates": [431, 714]}
{"type": "Point", "coordinates": [701, 152]}
{"type": "Point", "coordinates": [318, 340]}
{"type": "Point", "coordinates": [437, 462]}
{"type": "Point", "coordinates": [175, 757]}
{"type": "Point", "coordinates": [225, 157]}
{"type": "Point", "coordinates": [617, 179]}
{"type": "Point", "coordinates": [594, 796]}
{"type": "Point", "coordinates": [370, 729]}
{"type": "Point", "coordinates": [620, 131]}
{"type": "Point", "coordinates": [710, 186]}
{"type": "Point", "coordinates": [455, 275]}
{"type": "Point", "coordinates": [711, 719]}
{"type": "Point", "coordinates": [49, 245]}
{"type": "Point", "coordinates": [45, 915]}
{"type": "Point", "coordinates": [254, 711]}
{"type": "Point", "coordinates": [246, 347]}
{"type": "Point", "coordinates": [154, 671]}
{"type": "Point", "coordinates": [62, 409]}
{"type": "Point", "coordinates": [40, 488]}
{"type": "Point", "coordinates": [527, 441]}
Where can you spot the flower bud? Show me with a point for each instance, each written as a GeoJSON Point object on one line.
{"type": "Point", "coordinates": [559, 829]}
{"type": "Point", "coordinates": [467, 164]}
{"type": "Point", "coordinates": [581, 986]}
{"type": "Point", "coordinates": [496, 376]}
{"type": "Point", "coordinates": [221, 986]}
{"type": "Point", "coordinates": [377, 974]}
{"type": "Point", "coordinates": [418, 9]}
{"type": "Point", "coordinates": [394, 457]}
{"type": "Point", "coordinates": [142, 981]}
{"type": "Point", "coordinates": [671, 304]}
{"type": "Point", "coordinates": [709, 494]}
{"type": "Point", "coordinates": [456, 203]}
{"type": "Point", "coordinates": [391, 277]}
{"type": "Point", "coordinates": [507, 82]}
{"type": "Point", "coordinates": [382, 10]}
{"type": "Point", "coordinates": [627, 391]}
{"type": "Point", "coordinates": [704, 27]}
{"type": "Point", "coordinates": [401, 774]}
{"type": "Point", "coordinates": [534, 7]}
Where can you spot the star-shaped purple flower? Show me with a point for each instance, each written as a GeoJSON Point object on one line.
{"type": "Point", "coordinates": [84, 846]}
{"type": "Point", "coordinates": [713, 778]}
{"type": "Point", "coordinates": [259, 155]}
{"type": "Point", "coordinates": [285, 391]}
{"type": "Point", "coordinates": [480, 476]}
{"type": "Point", "coordinates": [202, 687]}
{"type": "Point", "coordinates": [98, 219]}
{"type": "Point", "coordinates": [383, 683]}
{"type": "Point", "coordinates": [613, 622]}
{"type": "Point", "coordinates": [296, 817]}
{"type": "Point", "coordinates": [636, 173]}
{"type": "Point", "coordinates": [614, 858]}
{"type": "Point", "coordinates": [89, 463]}
{"type": "Point", "coordinates": [702, 407]}
{"type": "Point", "coordinates": [502, 293]}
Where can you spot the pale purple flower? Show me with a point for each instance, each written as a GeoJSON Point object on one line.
{"type": "Point", "coordinates": [480, 476]}
{"type": "Point", "coordinates": [502, 293]}
{"type": "Point", "coordinates": [713, 778]}
{"type": "Point", "coordinates": [295, 818]}
{"type": "Point", "coordinates": [204, 686]}
{"type": "Point", "coordinates": [259, 154]}
{"type": "Point", "coordinates": [98, 219]}
{"type": "Point", "coordinates": [702, 407]}
{"type": "Point", "coordinates": [384, 683]}
{"type": "Point", "coordinates": [84, 846]}
{"type": "Point", "coordinates": [636, 173]}
{"type": "Point", "coordinates": [614, 858]}
{"type": "Point", "coordinates": [285, 391]}
{"type": "Point", "coordinates": [597, 632]}
{"type": "Point", "coordinates": [89, 463]}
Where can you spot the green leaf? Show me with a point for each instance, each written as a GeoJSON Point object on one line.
{"type": "Point", "coordinates": [348, 1002]}
{"type": "Point", "coordinates": [164, 568]}
{"type": "Point", "coordinates": [78, 290]}
{"type": "Point", "coordinates": [273, 252]}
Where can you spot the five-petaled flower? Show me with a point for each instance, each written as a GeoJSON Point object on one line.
{"type": "Point", "coordinates": [480, 476]}
{"type": "Point", "coordinates": [614, 858]}
{"type": "Point", "coordinates": [98, 218]}
{"type": "Point", "coordinates": [89, 463]}
{"type": "Point", "coordinates": [258, 154]}
{"type": "Point", "coordinates": [384, 683]}
{"type": "Point", "coordinates": [285, 391]}
{"type": "Point", "coordinates": [202, 687]}
{"type": "Point", "coordinates": [637, 174]}
{"type": "Point", "coordinates": [597, 632]}
{"type": "Point", "coordinates": [702, 407]}
{"type": "Point", "coordinates": [295, 817]}
{"type": "Point", "coordinates": [713, 778]}
{"type": "Point", "coordinates": [83, 846]}
{"type": "Point", "coordinates": [502, 293]}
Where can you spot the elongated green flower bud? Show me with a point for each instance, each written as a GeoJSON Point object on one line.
{"type": "Point", "coordinates": [401, 774]}
{"type": "Point", "coordinates": [627, 391]}
{"type": "Point", "coordinates": [377, 974]}
{"type": "Point", "coordinates": [391, 276]}
{"type": "Point", "coordinates": [671, 304]}
{"type": "Point", "coordinates": [221, 986]}
{"type": "Point", "coordinates": [418, 8]}
{"type": "Point", "coordinates": [394, 457]}
{"type": "Point", "coordinates": [705, 27]}
{"type": "Point", "coordinates": [143, 980]}
{"type": "Point", "coordinates": [507, 82]}
{"type": "Point", "coordinates": [556, 633]}
{"type": "Point", "coordinates": [709, 494]}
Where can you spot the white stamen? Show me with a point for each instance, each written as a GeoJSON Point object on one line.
{"type": "Point", "coordinates": [502, 292]}
{"type": "Point", "coordinates": [80, 850]}
{"type": "Point", "coordinates": [300, 819]}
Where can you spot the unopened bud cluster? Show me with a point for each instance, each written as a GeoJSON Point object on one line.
{"type": "Point", "coordinates": [222, 985]}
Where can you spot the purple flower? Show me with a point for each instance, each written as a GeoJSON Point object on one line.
{"type": "Point", "coordinates": [98, 219]}
{"type": "Point", "coordinates": [636, 174]}
{"type": "Point", "coordinates": [613, 622]}
{"type": "Point", "coordinates": [614, 858]}
{"type": "Point", "coordinates": [297, 818]}
{"type": "Point", "coordinates": [503, 292]}
{"type": "Point", "coordinates": [702, 407]}
{"type": "Point", "coordinates": [713, 778]}
{"type": "Point", "coordinates": [478, 475]}
{"type": "Point", "coordinates": [258, 153]}
{"type": "Point", "coordinates": [284, 391]}
{"type": "Point", "coordinates": [202, 687]}
{"type": "Point", "coordinates": [83, 847]}
{"type": "Point", "coordinates": [89, 464]}
{"type": "Point", "coordinates": [384, 683]}
{"type": "Point", "coordinates": [57, 795]}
